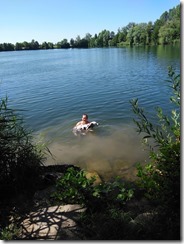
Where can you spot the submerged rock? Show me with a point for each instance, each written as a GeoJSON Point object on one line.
{"type": "Point", "coordinates": [91, 174]}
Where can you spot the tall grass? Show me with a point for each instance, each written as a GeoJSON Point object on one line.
{"type": "Point", "coordinates": [20, 159]}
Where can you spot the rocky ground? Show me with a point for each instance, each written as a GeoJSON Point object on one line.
{"type": "Point", "coordinates": [41, 221]}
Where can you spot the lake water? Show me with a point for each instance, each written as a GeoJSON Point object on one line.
{"type": "Point", "coordinates": [53, 88]}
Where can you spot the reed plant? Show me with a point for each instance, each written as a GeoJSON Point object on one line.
{"type": "Point", "coordinates": [20, 158]}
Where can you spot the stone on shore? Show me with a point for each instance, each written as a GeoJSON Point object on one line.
{"type": "Point", "coordinates": [53, 223]}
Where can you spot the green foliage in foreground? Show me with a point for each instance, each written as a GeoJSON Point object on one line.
{"type": "Point", "coordinates": [9, 233]}
{"type": "Point", "coordinates": [20, 159]}
{"type": "Point", "coordinates": [160, 178]}
{"type": "Point", "coordinates": [104, 218]}
{"type": "Point", "coordinates": [74, 187]}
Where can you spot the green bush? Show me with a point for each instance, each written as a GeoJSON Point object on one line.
{"type": "Point", "coordinates": [9, 233]}
{"type": "Point", "coordinates": [160, 178]}
{"type": "Point", "coordinates": [74, 187]}
{"type": "Point", "coordinates": [20, 159]}
{"type": "Point", "coordinates": [104, 218]}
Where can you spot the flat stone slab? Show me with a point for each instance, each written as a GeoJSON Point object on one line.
{"type": "Point", "coordinates": [53, 223]}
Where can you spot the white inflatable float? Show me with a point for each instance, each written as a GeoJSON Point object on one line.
{"type": "Point", "coordinates": [83, 129]}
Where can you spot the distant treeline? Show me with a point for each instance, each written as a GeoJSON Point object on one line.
{"type": "Point", "coordinates": [165, 30]}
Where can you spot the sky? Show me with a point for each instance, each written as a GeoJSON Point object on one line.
{"type": "Point", "coordinates": [55, 20]}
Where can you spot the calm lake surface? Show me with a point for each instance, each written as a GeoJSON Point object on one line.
{"type": "Point", "coordinates": [53, 88]}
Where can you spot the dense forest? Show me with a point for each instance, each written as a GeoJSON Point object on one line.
{"type": "Point", "coordinates": [165, 30]}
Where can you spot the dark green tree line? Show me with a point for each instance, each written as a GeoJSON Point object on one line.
{"type": "Point", "coordinates": [165, 30]}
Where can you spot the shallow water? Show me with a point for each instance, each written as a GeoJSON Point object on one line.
{"type": "Point", "coordinates": [110, 153]}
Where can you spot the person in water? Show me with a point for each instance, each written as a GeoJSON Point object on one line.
{"type": "Point", "coordinates": [84, 120]}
